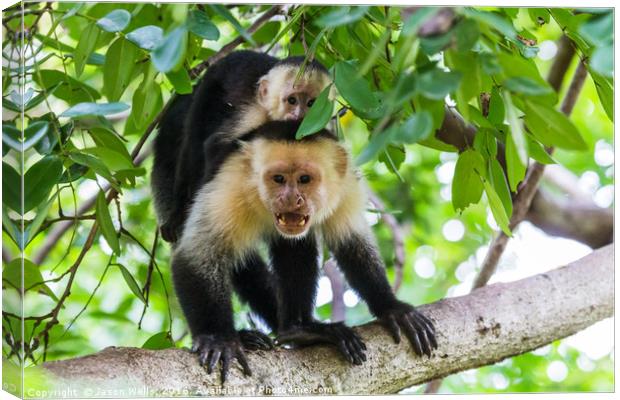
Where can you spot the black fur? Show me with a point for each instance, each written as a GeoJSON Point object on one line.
{"type": "Point", "coordinates": [186, 153]}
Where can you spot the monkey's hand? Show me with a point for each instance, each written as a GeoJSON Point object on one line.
{"type": "Point", "coordinates": [418, 328]}
{"type": "Point", "coordinates": [255, 340]}
{"type": "Point", "coordinates": [338, 334]}
{"type": "Point", "coordinates": [170, 230]}
{"type": "Point", "coordinates": [212, 348]}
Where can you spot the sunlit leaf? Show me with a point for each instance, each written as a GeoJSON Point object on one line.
{"type": "Point", "coordinates": [318, 116]}
{"type": "Point", "coordinates": [467, 183]}
{"type": "Point", "coordinates": [171, 51]}
{"type": "Point", "coordinates": [105, 223]}
{"type": "Point", "coordinates": [115, 21]}
{"type": "Point", "coordinates": [146, 37]}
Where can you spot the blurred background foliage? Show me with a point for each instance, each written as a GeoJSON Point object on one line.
{"type": "Point", "coordinates": [96, 75]}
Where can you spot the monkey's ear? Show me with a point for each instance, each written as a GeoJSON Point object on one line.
{"type": "Point", "coordinates": [341, 160]}
{"type": "Point", "coordinates": [263, 89]}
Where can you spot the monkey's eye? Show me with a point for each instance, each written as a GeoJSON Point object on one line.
{"type": "Point", "coordinates": [278, 178]}
{"type": "Point", "coordinates": [291, 100]}
{"type": "Point", "coordinates": [305, 179]}
{"type": "Point", "coordinates": [310, 102]}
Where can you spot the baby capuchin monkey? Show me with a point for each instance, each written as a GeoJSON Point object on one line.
{"type": "Point", "coordinates": [237, 94]}
{"type": "Point", "coordinates": [288, 194]}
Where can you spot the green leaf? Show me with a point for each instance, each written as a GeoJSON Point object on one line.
{"type": "Point", "coordinates": [514, 167]}
{"type": "Point", "coordinates": [113, 160]}
{"type": "Point", "coordinates": [500, 184]}
{"type": "Point", "coordinates": [437, 84]}
{"type": "Point", "coordinates": [159, 341]}
{"type": "Point", "coordinates": [318, 116]}
{"type": "Point", "coordinates": [417, 127]}
{"type": "Point", "coordinates": [180, 80]}
{"type": "Point", "coordinates": [11, 136]}
{"type": "Point", "coordinates": [120, 62]}
{"type": "Point", "coordinates": [146, 37]}
{"type": "Point", "coordinates": [376, 144]}
{"type": "Point", "coordinates": [466, 34]}
{"type": "Point", "coordinates": [605, 91]}
{"type": "Point", "coordinates": [115, 21]}
{"type": "Point", "coordinates": [493, 20]}
{"type": "Point", "coordinates": [497, 111]}
{"type": "Point", "coordinates": [341, 16]}
{"type": "Point", "coordinates": [91, 109]}
{"type": "Point", "coordinates": [96, 165]}
{"type": "Point", "coordinates": [538, 153]}
{"type": "Point", "coordinates": [147, 102]}
{"type": "Point", "coordinates": [171, 51]}
{"type": "Point", "coordinates": [108, 139]}
{"type": "Point", "coordinates": [131, 282]}
{"type": "Point", "coordinates": [32, 278]}
{"type": "Point", "coordinates": [552, 128]}
{"type": "Point", "coordinates": [602, 60]}
{"type": "Point", "coordinates": [356, 91]}
{"type": "Point", "coordinates": [467, 183]}
{"type": "Point", "coordinates": [105, 223]}
{"type": "Point", "coordinates": [86, 45]}
{"type": "Point", "coordinates": [526, 86]}
{"type": "Point", "coordinates": [516, 129]}
{"type": "Point", "coordinates": [599, 30]}
{"type": "Point", "coordinates": [198, 23]}
{"type": "Point", "coordinates": [32, 228]}
{"type": "Point", "coordinates": [497, 209]}
{"type": "Point", "coordinates": [65, 87]}
{"type": "Point", "coordinates": [224, 13]}
{"type": "Point", "coordinates": [11, 188]}
{"type": "Point", "coordinates": [39, 181]}
{"type": "Point", "coordinates": [539, 16]}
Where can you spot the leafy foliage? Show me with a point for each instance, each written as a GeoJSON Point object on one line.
{"type": "Point", "coordinates": [97, 75]}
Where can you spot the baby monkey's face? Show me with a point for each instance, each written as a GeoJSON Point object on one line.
{"type": "Point", "coordinates": [292, 191]}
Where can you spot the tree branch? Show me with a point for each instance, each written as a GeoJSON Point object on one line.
{"type": "Point", "coordinates": [479, 329]}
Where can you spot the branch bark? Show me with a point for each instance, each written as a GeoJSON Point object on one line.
{"type": "Point", "coordinates": [482, 328]}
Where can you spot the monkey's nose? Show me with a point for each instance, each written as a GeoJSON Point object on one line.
{"type": "Point", "coordinates": [300, 201]}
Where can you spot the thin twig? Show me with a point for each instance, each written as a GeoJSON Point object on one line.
{"type": "Point", "coordinates": [337, 283]}
{"type": "Point", "coordinates": [397, 239]}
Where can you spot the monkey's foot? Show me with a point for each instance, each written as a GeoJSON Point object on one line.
{"type": "Point", "coordinates": [338, 334]}
{"type": "Point", "coordinates": [418, 328]}
{"type": "Point", "coordinates": [255, 340]}
{"type": "Point", "coordinates": [212, 348]}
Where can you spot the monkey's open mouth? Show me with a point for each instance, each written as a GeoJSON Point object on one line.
{"type": "Point", "coordinates": [292, 219]}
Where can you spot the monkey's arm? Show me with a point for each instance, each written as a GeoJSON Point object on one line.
{"type": "Point", "coordinates": [359, 259]}
{"type": "Point", "coordinates": [296, 266]}
{"type": "Point", "coordinates": [203, 287]}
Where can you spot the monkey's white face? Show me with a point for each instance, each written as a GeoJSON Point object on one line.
{"type": "Point", "coordinates": [284, 97]}
{"type": "Point", "coordinates": [290, 193]}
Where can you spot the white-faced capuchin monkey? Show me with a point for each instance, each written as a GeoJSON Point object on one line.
{"type": "Point", "coordinates": [237, 94]}
{"type": "Point", "coordinates": [289, 194]}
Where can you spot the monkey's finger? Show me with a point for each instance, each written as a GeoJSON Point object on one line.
{"type": "Point", "coordinates": [356, 353]}
{"type": "Point", "coordinates": [244, 363]}
{"type": "Point", "coordinates": [430, 332]}
{"type": "Point", "coordinates": [412, 335]}
{"type": "Point", "coordinates": [203, 355]}
{"type": "Point", "coordinates": [225, 364]}
{"type": "Point", "coordinates": [215, 357]}
{"type": "Point", "coordinates": [344, 350]}
{"type": "Point", "coordinates": [428, 322]}
{"type": "Point", "coordinates": [422, 334]}
{"type": "Point", "coordinates": [393, 328]}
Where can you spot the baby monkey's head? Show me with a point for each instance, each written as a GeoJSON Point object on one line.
{"type": "Point", "coordinates": [298, 180]}
{"type": "Point", "coordinates": [285, 94]}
